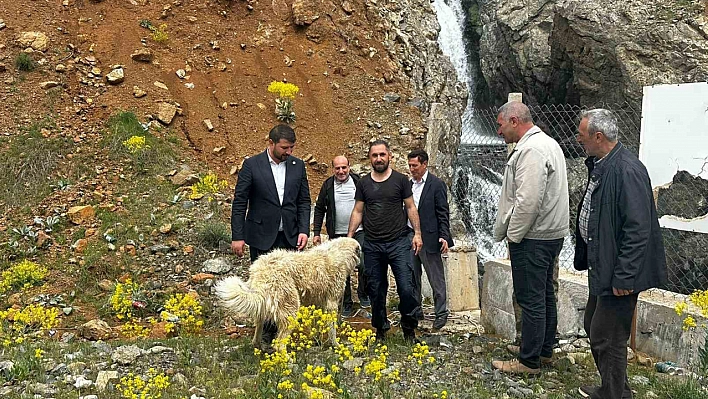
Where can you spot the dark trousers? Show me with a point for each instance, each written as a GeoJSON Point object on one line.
{"type": "Point", "coordinates": [517, 308]}
{"type": "Point", "coordinates": [270, 329]}
{"type": "Point", "coordinates": [608, 322]}
{"type": "Point", "coordinates": [436, 276]}
{"type": "Point", "coordinates": [361, 277]}
{"type": "Point", "coordinates": [377, 256]}
{"type": "Point", "coordinates": [532, 272]}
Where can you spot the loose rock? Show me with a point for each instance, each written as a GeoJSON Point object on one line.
{"type": "Point", "coordinates": [138, 92]}
{"type": "Point", "coordinates": [126, 354]}
{"type": "Point", "coordinates": [37, 41]}
{"type": "Point", "coordinates": [217, 266]}
{"type": "Point", "coordinates": [166, 112]}
{"type": "Point", "coordinates": [142, 55]}
{"type": "Point", "coordinates": [95, 330]}
{"type": "Point", "coordinates": [116, 76]}
{"type": "Point", "coordinates": [48, 85]}
{"type": "Point", "coordinates": [81, 214]}
{"type": "Point", "coordinates": [103, 378]}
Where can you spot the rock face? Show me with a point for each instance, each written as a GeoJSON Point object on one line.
{"type": "Point", "coordinates": [411, 40]}
{"type": "Point", "coordinates": [580, 52]}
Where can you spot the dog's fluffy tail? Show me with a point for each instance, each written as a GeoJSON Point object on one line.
{"type": "Point", "coordinates": [238, 297]}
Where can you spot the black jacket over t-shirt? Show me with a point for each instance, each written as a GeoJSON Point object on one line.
{"type": "Point", "coordinates": [384, 215]}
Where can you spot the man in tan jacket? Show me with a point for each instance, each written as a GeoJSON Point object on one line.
{"type": "Point", "coordinates": [533, 217]}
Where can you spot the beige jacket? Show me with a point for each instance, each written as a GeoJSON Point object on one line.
{"type": "Point", "coordinates": [534, 197]}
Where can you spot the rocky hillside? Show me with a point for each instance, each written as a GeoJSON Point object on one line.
{"type": "Point", "coordinates": [80, 78]}
{"type": "Point", "coordinates": [587, 52]}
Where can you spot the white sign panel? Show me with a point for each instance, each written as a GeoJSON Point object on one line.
{"type": "Point", "coordinates": [674, 137]}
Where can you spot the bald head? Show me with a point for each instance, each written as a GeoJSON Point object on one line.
{"type": "Point", "coordinates": [340, 164]}
{"type": "Point", "coordinates": [513, 121]}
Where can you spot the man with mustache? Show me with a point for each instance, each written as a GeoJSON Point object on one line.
{"type": "Point", "coordinates": [618, 241]}
{"type": "Point", "coordinates": [273, 187]}
{"type": "Point", "coordinates": [334, 205]}
{"type": "Point", "coordinates": [380, 200]}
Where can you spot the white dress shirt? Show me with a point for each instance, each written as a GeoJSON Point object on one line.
{"type": "Point", "coordinates": [278, 170]}
{"type": "Point", "coordinates": [417, 191]}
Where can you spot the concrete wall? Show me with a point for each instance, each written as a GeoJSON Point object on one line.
{"type": "Point", "coordinates": [659, 328]}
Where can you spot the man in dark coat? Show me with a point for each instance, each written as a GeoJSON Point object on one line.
{"type": "Point", "coordinates": [430, 197]}
{"type": "Point", "coordinates": [334, 206]}
{"type": "Point", "coordinates": [618, 241]}
{"type": "Point", "coordinates": [273, 187]}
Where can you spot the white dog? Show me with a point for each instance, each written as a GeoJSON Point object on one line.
{"type": "Point", "coordinates": [282, 281]}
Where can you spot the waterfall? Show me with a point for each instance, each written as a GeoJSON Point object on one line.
{"type": "Point", "coordinates": [452, 18]}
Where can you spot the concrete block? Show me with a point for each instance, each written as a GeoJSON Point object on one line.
{"type": "Point", "coordinates": [659, 328]}
{"type": "Point", "coordinates": [497, 308]}
{"type": "Point", "coordinates": [462, 279]}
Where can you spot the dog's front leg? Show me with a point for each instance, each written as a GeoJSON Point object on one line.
{"type": "Point", "coordinates": [336, 306]}
{"type": "Point", "coordinates": [258, 334]}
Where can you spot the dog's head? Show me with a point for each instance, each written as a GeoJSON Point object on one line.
{"type": "Point", "coordinates": [346, 250]}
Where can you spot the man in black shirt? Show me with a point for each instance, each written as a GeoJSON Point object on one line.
{"type": "Point", "coordinates": [380, 198]}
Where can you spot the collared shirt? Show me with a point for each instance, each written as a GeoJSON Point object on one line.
{"type": "Point", "coordinates": [417, 191]}
{"type": "Point", "coordinates": [278, 170]}
{"type": "Point", "coordinates": [343, 204]}
{"type": "Point", "coordinates": [584, 216]}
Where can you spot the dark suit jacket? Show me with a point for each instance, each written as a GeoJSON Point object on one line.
{"type": "Point", "coordinates": [434, 214]}
{"type": "Point", "coordinates": [325, 208]}
{"type": "Point", "coordinates": [256, 191]}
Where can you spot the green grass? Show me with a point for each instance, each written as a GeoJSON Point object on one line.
{"type": "Point", "coordinates": [24, 62]}
{"type": "Point", "coordinates": [156, 157]}
{"type": "Point", "coordinates": [212, 234]}
{"type": "Point", "coordinates": [29, 164]}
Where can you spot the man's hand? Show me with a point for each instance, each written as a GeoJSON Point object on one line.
{"type": "Point", "coordinates": [618, 292]}
{"type": "Point", "coordinates": [237, 247]}
{"type": "Point", "coordinates": [417, 243]}
{"type": "Point", "coordinates": [443, 247]}
{"type": "Point", "coordinates": [301, 241]}
{"type": "Point", "coordinates": [316, 240]}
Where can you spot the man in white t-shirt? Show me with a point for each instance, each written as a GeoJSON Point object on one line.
{"type": "Point", "coordinates": [334, 205]}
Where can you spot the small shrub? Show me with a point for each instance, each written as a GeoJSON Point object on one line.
{"type": "Point", "coordinates": [126, 299]}
{"type": "Point", "coordinates": [24, 62]}
{"type": "Point", "coordinates": [135, 144]}
{"type": "Point", "coordinates": [133, 329]}
{"type": "Point", "coordinates": [128, 137]}
{"type": "Point", "coordinates": [284, 103]}
{"type": "Point", "coordinates": [159, 35]}
{"type": "Point", "coordinates": [18, 325]}
{"type": "Point", "coordinates": [22, 275]}
{"type": "Point", "coordinates": [149, 387]}
{"type": "Point", "coordinates": [212, 234]}
{"type": "Point", "coordinates": [208, 185]}
{"type": "Point", "coordinates": [182, 314]}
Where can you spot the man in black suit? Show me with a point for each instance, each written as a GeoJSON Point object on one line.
{"type": "Point", "coordinates": [273, 187]}
{"type": "Point", "coordinates": [430, 197]}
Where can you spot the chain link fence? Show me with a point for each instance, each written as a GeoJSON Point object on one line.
{"type": "Point", "coordinates": [479, 169]}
